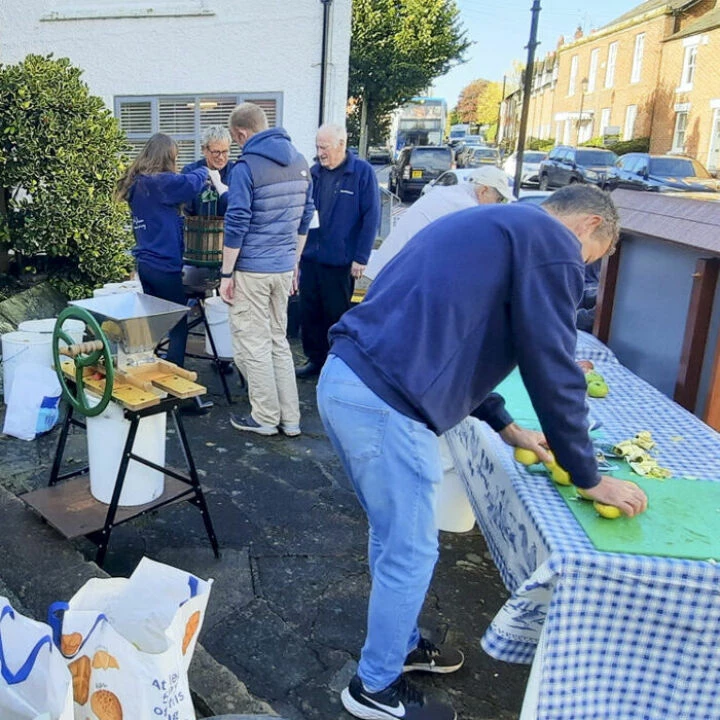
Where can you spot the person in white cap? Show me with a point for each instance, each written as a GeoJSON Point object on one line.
{"type": "Point", "coordinates": [483, 186]}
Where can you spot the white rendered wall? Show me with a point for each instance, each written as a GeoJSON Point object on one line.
{"type": "Point", "coordinates": [217, 46]}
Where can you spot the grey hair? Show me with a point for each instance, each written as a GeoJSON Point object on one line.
{"type": "Point", "coordinates": [577, 199]}
{"type": "Point", "coordinates": [337, 132]}
{"type": "Point", "coordinates": [249, 116]}
{"type": "Point", "coordinates": [215, 133]}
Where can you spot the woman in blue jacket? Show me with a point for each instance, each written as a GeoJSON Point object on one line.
{"type": "Point", "coordinates": [155, 192]}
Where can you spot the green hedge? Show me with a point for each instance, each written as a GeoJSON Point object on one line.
{"type": "Point", "coordinates": [61, 152]}
{"type": "Point", "coordinates": [628, 146]}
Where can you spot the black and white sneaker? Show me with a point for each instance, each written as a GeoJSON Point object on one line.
{"type": "Point", "coordinates": [399, 700]}
{"type": "Point", "coordinates": [428, 657]}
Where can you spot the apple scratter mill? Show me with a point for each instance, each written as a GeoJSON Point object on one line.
{"type": "Point", "coordinates": [124, 391]}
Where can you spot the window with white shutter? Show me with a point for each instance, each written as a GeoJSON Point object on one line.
{"type": "Point", "coordinates": [184, 118]}
{"type": "Point", "coordinates": [610, 67]}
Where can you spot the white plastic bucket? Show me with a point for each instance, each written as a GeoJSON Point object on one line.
{"type": "Point", "coordinates": [218, 317]}
{"type": "Point", "coordinates": [24, 348]}
{"type": "Point", "coordinates": [74, 328]}
{"type": "Point", "coordinates": [106, 435]}
{"type": "Point", "coordinates": [453, 512]}
{"type": "Point", "coordinates": [118, 287]}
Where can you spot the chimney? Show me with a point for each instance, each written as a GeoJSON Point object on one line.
{"type": "Point", "coordinates": [561, 41]}
{"type": "Point", "coordinates": [578, 33]}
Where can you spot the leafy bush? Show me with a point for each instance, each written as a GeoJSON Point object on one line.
{"type": "Point", "coordinates": [596, 142]}
{"type": "Point", "coordinates": [533, 143]}
{"type": "Point", "coordinates": [628, 146]}
{"type": "Point", "coordinates": [61, 152]}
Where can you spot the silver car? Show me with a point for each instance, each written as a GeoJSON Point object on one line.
{"type": "Point", "coordinates": [530, 166]}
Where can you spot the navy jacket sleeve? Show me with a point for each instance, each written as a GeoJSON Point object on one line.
{"type": "Point", "coordinates": [492, 411]}
{"type": "Point", "coordinates": [542, 310]}
{"type": "Point", "coordinates": [176, 188]}
{"type": "Point", "coordinates": [237, 216]}
{"type": "Point", "coordinates": [369, 213]}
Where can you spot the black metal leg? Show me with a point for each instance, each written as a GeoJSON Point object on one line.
{"type": "Point", "coordinates": [199, 499]}
{"type": "Point", "coordinates": [60, 451]}
{"type": "Point", "coordinates": [104, 535]}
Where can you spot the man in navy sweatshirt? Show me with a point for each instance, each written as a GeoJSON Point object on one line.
{"type": "Point", "coordinates": [268, 214]}
{"type": "Point", "coordinates": [347, 198]}
{"type": "Point", "coordinates": [470, 297]}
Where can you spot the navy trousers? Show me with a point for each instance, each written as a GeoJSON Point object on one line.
{"type": "Point", "coordinates": [168, 286]}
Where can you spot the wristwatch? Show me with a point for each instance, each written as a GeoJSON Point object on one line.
{"type": "Point", "coordinates": [226, 275]}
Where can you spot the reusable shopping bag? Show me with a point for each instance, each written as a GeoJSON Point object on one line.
{"type": "Point", "coordinates": [128, 643]}
{"type": "Point", "coordinates": [34, 679]}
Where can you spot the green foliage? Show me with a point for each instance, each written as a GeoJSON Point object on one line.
{"type": "Point", "coordinates": [378, 127]}
{"type": "Point", "coordinates": [628, 146]}
{"type": "Point", "coordinates": [61, 152]}
{"type": "Point", "coordinates": [398, 47]}
{"type": "Point", "coordinates": [533, 143]}
{"type": "Point", "coordinates": [596, 142]}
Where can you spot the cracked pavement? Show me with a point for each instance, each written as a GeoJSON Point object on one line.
{"type": "Point", "coordinates": [287, 608]}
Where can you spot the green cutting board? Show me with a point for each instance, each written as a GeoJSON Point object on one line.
{"type": "Point", "coordinates": [683, 515]}
{"type": "Point", "coordinates": [682, 519]}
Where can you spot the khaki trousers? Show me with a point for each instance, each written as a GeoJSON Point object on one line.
{"type": "Point", "coordinates": [258, 321]}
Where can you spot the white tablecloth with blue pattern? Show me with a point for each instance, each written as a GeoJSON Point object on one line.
{"type": "Point", "coordinates": [626, 637]}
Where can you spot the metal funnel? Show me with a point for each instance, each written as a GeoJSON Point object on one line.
{"type": "Point", "coordinates": [135, 321]}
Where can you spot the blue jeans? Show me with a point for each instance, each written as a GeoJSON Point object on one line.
{"type": "Point", "coordinates": [394, 465]}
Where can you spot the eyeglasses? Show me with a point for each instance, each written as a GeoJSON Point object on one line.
{"type": "Point", "coordinates": [219, 153]}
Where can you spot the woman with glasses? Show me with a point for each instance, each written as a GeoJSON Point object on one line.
{"type": "Point", "coordinates": [155, 192]}
{"type": "Point", "coordinates": [212, 201]}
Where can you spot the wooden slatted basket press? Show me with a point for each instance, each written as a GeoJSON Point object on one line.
{"type": "Point", "coordinates": [204, 240]}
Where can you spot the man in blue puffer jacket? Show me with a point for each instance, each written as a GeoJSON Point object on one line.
{"type": "Point", "coordinates": [269, 210]}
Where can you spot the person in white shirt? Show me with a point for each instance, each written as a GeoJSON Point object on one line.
{"type": "Point", "coordinates": [485, 185]}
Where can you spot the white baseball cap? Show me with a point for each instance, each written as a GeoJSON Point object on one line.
{"type": "Point", "coordinates": [493, 177]}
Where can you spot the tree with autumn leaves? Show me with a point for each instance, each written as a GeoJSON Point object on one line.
{"type": "Point", "coordinates": [478, 104]}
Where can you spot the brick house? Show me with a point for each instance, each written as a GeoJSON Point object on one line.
{"type": "Point", "coordinates": [649, 73]}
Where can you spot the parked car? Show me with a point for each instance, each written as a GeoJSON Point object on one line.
{"type": "Point", "coordinates": [530, 167]}
{"type": "Point", "coordinates": [450, 177]}
{"type": "Point", "coordinates": [466, 146]}
{"type": "Point", "coordinates": [565, 165]}
{"type": "Point", "coordinates": [482, 156]}
{"type": "Point", "coordinates": [415, 167]}
{"type": "Point", "coordinates": [379, 154]}
{"type": "Point", "coordinates": [660, 173]}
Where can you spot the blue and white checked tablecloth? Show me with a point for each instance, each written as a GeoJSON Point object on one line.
{"type": "Point", "coordinates": [626, 637]}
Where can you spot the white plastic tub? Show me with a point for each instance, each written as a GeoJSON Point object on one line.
{"type": "Point", "coordinates": [218, 317]}
{"type": "Point", "coordinates": [106, 435]}
{"type": "Point", "coordinates": [21, 348]}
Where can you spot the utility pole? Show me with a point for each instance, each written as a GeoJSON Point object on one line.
{"type": "Point", "coordinates": [527, 87]}
{"type": "Point", "coordinates": [502, 100]}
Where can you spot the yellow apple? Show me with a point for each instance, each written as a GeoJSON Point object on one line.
{"type": "Point", "coordinates": [582, 493]}
{"type": "Point", "coordinates": [607, 511]}
{"type": "Point", "coordinates": [558, 474]}
{"type": "Point", "coordinates": [526, 457]}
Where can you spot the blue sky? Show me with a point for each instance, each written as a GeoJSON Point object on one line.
{"type": "Point", "coordinates": [500, 30]}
